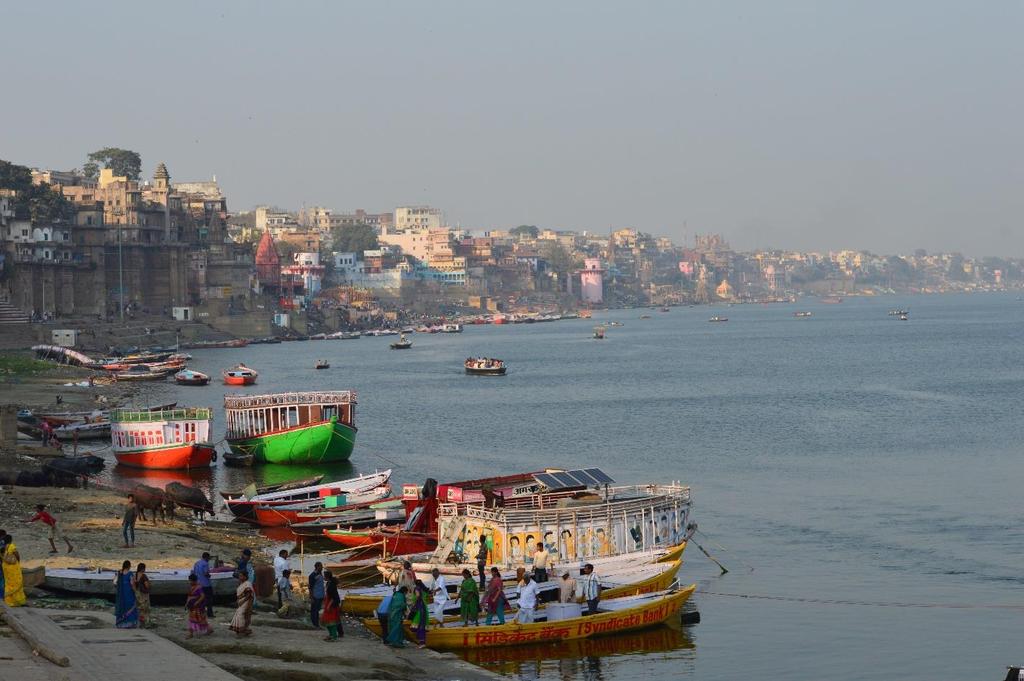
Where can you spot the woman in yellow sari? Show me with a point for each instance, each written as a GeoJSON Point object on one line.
{"type": "Point", "coordinates": [14, 592]}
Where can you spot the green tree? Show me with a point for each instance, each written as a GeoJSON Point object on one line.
{"type": "Point", "coordinates": [530, 231]}
{"type": "Point", "coordinates": [90, 170]}
{"type": "Point", "coordinates": [122, 161]}
{"type": "Point", "coordinates": [12, 176]}
{"type": "Point", "coordinates": [559, 259]}
{"type": "Point", "coordinates": [353, 238]}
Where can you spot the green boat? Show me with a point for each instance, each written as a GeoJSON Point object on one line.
{"type": "Point", "coordinates": [292, 428]}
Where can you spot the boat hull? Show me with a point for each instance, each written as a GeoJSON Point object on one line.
{"type": "Point", "coordinates": [323, 442]}
{"type": "Point", "coordinates": [239, 380]}
{"type": "Point", "coordinates": [496, 371]}
{"type": "Point", "coordinates": [394, 543]}
{"type": "Point", "coordinates": [170, 457]}
{"type": "Point", "coordinates": [88, 581]}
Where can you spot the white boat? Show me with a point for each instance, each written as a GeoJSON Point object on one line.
{"type": "Point", "coordinates": [100, 581]}
{"type": "Point", "coordinates": [83, 431]}
{"type": "Point", "coordinates": [243, 506]}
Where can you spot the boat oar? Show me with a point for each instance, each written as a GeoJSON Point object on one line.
{"type": "Point", "coordinates": [710, 557]}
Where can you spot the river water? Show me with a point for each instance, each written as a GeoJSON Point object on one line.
{"type": "Point", "coordinates": [862, 473]}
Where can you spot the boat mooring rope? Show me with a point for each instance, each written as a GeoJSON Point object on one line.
{"type": "Point", "coordinates": [878, 604]}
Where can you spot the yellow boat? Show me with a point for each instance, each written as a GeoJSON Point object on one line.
{"type": "Point", "coordinates": [648, 611]}
{"type": "Point", "coordinates": [365, 604]}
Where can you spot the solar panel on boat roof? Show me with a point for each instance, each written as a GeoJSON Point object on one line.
{"type": "Point", "coordinates": [591, 477]}
{"type": "Point", "coordinates": [599, 475]}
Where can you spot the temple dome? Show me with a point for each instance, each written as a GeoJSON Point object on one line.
{"type": "Point", "coordinates": [161, 172]}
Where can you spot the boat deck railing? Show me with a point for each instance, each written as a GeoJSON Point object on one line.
{"type": "Point", "coordinates": [282, 399]}
{"type": "Point", "coordinates": [622, 499]}
{"type": "Point", "coordinates": [139, 416]}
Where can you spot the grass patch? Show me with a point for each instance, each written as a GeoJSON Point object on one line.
{"type": "Point", "coordinates": [22, 365]}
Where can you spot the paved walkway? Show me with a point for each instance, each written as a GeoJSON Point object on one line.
{"type": "Point", "coordinates": [97, 651]}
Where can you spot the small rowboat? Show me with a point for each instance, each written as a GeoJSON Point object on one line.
{"type": "Point", "coordinates": [402, 343]}
{"type": "Point", "coordinates": [484, 366]}
{"type": "Point", "coordinates": [83, 431]}
{"type": "Point", "coordinates": [613, 616]}
{"type": "Point", "coordinates": [240, 375]}
{"type": "Point", "coordinates": [392, 540]}
{"type": "Point", "coordinates": [100, 582]}
{"type": "Point", "coordinates": [191, 377]}
{"type": "Point", "coordinates": [279, 487]}
{"type": "Point", "coordinates": [282, 515]}
{"type": "Point", "coordinates": [244, 508]}
{"type": "Point", "coordinates": [718, 319]}
{"type": "Point", "coordinates": [141, 372]}
{"type": "Point", "coordinates": [322, 364]}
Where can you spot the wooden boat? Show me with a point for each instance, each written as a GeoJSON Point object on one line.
{"type": "Point", "coordinates": [280, 515]}
{"type": "Point", "coordinates": [191, 377]}
{"type": "Point", "coordinates": [402, 343]}
{"type": "Point", "coordinates": [801, 315]}
{"type": "Point", "coordinates": [244, 508]}
{"type": "Point", "coordinates": [100, 581]}
{"type": "Point", "coordinates": [577, 514]}
{"type": "Point", "coordinates": [313, 524]}
{"type": "Point", "coordinates": [170, 439]}
{"type": "Point", "coordinates": [141, 372]}
{"type": "Point", "coordinates": [322, 364]}
{"type": "Point", "coordinates": [83, 431]}
{"type": "Point", "coordinates": [645, 316]}
{"type": "Point", "coordinates": [33, 577]}
{"type": "Point", "coordinates": [626, 579]}
{"type": "Point", "coordinates": [392, 540]}
{"type": "Point", "coordinates": [238, 459]}
{"type": "Point", "coordinates": [278, 487]}
{"type": "Point", "coordinates": [716, 318]}
{"type": "Point", "coordinates": [239, 375]}
{"type": "Point", "coordinates": [206, 345]}
{"type": "Point", "coordinates": [292, 428]}
{"type": "Point", "coordinates": [484, 366]}
{"type": "Point", "coordinates": [613, 616]}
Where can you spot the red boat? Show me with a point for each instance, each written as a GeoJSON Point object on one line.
{"type": "Point", "coordinates": [282, 515]}
{"type": "Point", "coordinates": [240, 375]}
{"type": "Point", "coordinates": [392, 540]}
{"type": "Point", "coordinates": [167, 439]}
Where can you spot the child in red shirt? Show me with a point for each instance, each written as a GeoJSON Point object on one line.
{"type": "Point", "coordinates": [41, 514]}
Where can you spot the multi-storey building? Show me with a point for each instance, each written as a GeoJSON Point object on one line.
{"type": "Point", "coordinates": [418, 217]}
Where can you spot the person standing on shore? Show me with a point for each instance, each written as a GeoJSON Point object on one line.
{"type": "Point", "coordinates": [316, 593]}
{"type": "Point", "coordinates": [382, 615]}
{"type": "Point", "coordinates": [245, 597]}
{"type": "Point", "coordinates": [332, 610]}
{"type": "Point", "coordinates": [131, 512]}
{"type": "Point", "coordinates": [48, 519]}
{"type": "Point", "coordinates": [126, 612]}
{"type": "Point", "coordinates": [141, 586]}
{"type": "Point", "coordinates": [396, 618]}
{"type": "Point", "coordinates": [280, 565]}
{"type": "Point", "coordinates": [196, 606]}
{"type": "Point", "coordinates": [202, 572]}
{"type": "Point", "coordinates": [419, 616]}
{"type": "Point", "coordinates": [14, 592]}
{"type": "Point", "coordinates": [245, 564]}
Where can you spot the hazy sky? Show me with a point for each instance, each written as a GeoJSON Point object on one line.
{"type": "Point", "coordinates": [815, 125]}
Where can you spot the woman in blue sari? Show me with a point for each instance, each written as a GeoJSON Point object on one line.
{"type": "Point", "coordinates": [396, 618]}
{"type": "Point", "coordinates": [126, 614]}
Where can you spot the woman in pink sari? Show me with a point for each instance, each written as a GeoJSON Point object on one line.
{"type": "Point", "coordinates": [196, 606]}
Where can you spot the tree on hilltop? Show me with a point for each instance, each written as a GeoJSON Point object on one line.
{"type": "Point", "coordinates": [353, 238]}
{"type": "Point", "coordinates": [124, 162]}
{"type": "Point", "coordinates": [38, 202]}
{"type": "Point", "coordinates": [530, 231]}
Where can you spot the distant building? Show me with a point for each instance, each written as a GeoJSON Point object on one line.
{"type": "Point", "coordinates": [592, 281]}
{"type": "Point", "coordinates": [418, 217]}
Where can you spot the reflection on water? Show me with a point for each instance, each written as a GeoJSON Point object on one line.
{"type": "Point", "coordinates": [590, 658]}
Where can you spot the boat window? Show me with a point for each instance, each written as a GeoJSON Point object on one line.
{"type": "Point", "coordinates": [293, 416]}
{"type": "Point", "coordinates": [328, 412]}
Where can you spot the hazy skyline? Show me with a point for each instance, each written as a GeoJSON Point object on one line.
{"type": "Point", "coordinates": [807, 125]}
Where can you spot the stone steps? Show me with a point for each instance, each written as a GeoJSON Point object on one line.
{"type": "Point", "coordinates": [12, 315]}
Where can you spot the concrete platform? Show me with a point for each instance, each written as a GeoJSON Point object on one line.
{"type": "Point", "coordinates": [96, 650]}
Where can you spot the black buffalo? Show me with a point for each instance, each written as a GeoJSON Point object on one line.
{"type": "Point", "coordinates": [189, 497]}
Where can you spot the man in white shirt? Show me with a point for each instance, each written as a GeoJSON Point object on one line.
{"type": "Point", "coordinates": [591, 588]}
{"type": "Point", "coordinates": [439, 591]}
{"type": "Point", "coordinates": [527, 600]}
{"type": "Point", "coordinates": [280, 565]}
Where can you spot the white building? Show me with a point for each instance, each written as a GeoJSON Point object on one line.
{"type": "Point", "coordinates": [418, 217]}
